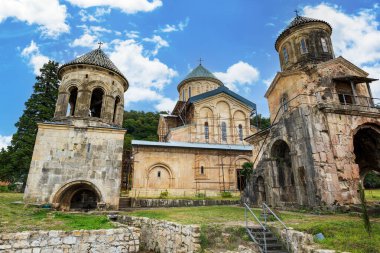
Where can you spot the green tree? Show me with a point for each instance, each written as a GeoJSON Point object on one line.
{"type": "Point", "coordinates": [260, 121]}
{"type": "Point", "coordinates": [15, 162]}
{"type": "Point", "coordinates": [140, 126]}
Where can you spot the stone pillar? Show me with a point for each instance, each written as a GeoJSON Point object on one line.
{"type": "Point", "coordinates": [83, 103]}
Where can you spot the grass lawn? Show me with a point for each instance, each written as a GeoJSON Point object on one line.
{"type": "Point", "coordinates": [344, 232]}
{"type": "Point", "coordinates": [16, 218]}
{"type": "Point", "coordinates": [372, 195]}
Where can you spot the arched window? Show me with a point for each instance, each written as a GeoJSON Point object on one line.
{"type": "Point", "coordinates": [207, 136]}
{"type": "Point", "coordinates": [117, 102]}
{"type": "Point", "coordinates": [285, 54]}
{"type": "Point", "coordinates": [183, 94]}
{"type": "Point", "coordinates": [240, 132]}
{"type": "Point", "coordinates": [189, 91]}
{"type": "Point", "coordinates": [303, 46]}
{"type": "Point", "coordinates": [72, 101]}
{"type": "Point", "coordinates": [159, 174]}
{"type": "Point", "coordinates": [284, 103]}
{"type": "Point", "coordinates": [224, 131]}
{"type": "Point", "coordinates": [96, 102]}
{"type": "Point", "coordinates": [324, 45]}
{"type": "Point", "coordinates": [202, 170]}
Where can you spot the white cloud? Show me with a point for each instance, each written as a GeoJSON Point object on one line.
{"type": "Point", "coordinates": [5, 141]}
{"type": "Point", "coordinates": [175, 28]}
{"type": "Point", "coordinates": [238, 74]}
{"type": "Point", "coordinates": [90, 37]}
{"type": "Point", "coordinates": [94, 17]}
{"type": "Point", "coordinates": [132, 34]}
{"type": "Point", "coordinates": [48, 14]}
{"type": "Point", "coordinates": [159, 43]}
{"type": "Point", "coordinates": [34, 57]}
{"type": "Point", "coordinates": [86, 40]}
{"type": "Point", "coordinates": [147, 76]}
{"type": "Point", "coordinates": [355, 36]}
{"type": "Point", "coordinates": [127, 6]}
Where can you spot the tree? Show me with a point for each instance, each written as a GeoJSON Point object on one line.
{"type": "Point", "coordinates": [15, 162]}
{"type": "Point", "coordinates": [260, 121]}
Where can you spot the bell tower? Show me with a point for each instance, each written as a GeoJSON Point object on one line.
{"type": "Point", "coordinates": [77, 158]}
{"type": "Point", "coordinates": [304, 41]}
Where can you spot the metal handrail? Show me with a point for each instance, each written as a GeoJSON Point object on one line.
{"type": "Point", "coordinates": [264, 249]}
{"type": "Point", "coordinates": [266, 208]}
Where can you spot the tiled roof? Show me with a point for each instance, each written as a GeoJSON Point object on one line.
{"type": "Point", "coordinates": [192, 145]}
{"type": "Point", "coordinates": [200, 72]}
{"type": "Point", "coordinates": [223, 89]}
{"type": "Point", "coordinates": [297, 21]}
{"type": "Point", "coordinates": [97, 58]}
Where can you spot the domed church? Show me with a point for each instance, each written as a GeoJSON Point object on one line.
{"type": "Point", "coordinates": [325, 133]}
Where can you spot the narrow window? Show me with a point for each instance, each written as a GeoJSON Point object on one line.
{"type": "Point", "coordinates": [72, 101]}
{"type": "Point", "coordinates": [303, 46]}
{"type": "Point", "coordinates": [159, 174]}
{"type": "Point", "coordinates": [240, 132]}
{"type": "Point", "coordinates": [285, 53]}
{"type": "Point", "coordinates": [117, 101]}
{"type": "Point", "coordinates": [183, 95]}
{"type": "Point", "coordinates": [206, 131]}
{"type": "Point", "coordinates": [202, 170]}
{"type": "Point", "coordinates": [96, 102]}
{"type": "Point", "coordinates": [189, 92]}
{"type": "Point", "coordinates": [324, 45]}
{"type": "Point", "coordinates": [224, 131]}
{"type": "Point", "coordinates": [284, 103]}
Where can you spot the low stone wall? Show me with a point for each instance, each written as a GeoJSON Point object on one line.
{"type": "Point", "coordinates": [180, 202]}
{"type": "Point", "coordinates": [110, 240]}
{"type": "Point", "coordinates": [164, 236]}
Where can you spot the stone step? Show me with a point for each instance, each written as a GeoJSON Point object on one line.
{"type": "Point", "coordinates": [124, 202]}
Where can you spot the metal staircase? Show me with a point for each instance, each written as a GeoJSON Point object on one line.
{"type": "Point", "coordinates": [260, 234]}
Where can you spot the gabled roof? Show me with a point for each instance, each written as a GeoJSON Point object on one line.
{"type": "Point", "coordinates": [96, 58]}
{"type": "Point", "coordinates": [225, 90]}
{"type": "Point", "coordinates": [299, 21]}
{"type": "Point", "coordinates": [198, 73]}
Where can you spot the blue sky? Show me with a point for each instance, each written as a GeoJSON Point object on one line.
{"type": "Point", "coordinates": [155, 43]}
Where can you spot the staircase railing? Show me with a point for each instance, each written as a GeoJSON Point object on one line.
{"type": "Point", "coordinates": [266, 209]}
{"type": "Point", "coordinates": [251, 234]}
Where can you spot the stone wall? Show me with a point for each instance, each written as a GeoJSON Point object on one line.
{"type": "Point", "coordinates": [180, 202]}
{"type": "Point", "coordinates": [110, 240]}
{"type": "Point", "coordinates": [164, 236]}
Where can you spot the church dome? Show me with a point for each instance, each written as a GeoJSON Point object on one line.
{"type": "Point", "coordinates": [199, 80]}
{"type": "Point", "coordinates": [96, 58]}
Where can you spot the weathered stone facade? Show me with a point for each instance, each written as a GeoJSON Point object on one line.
{"type": "Point", "coordinates": [325, 135]}
{"type": "Point", "coordinates": [77, 158]}
{"type": "Point", "coordinates": [94, 241]}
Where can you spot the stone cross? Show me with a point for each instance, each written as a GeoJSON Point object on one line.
{"type": "Point", "coordinates": [100, 44]}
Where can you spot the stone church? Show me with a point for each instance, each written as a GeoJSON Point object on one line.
{"type": "Point", "coordinates": [201, 145]}
{"type": "Point", "coordinates": [325, 125]}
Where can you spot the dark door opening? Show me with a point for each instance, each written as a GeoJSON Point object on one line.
{"type": "Point", "coordinates": [84, 200]}
{"type": "Point", "coordinates": [240, 180]}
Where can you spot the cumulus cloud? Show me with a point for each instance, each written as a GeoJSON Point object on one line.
{"type": "Point", "coordinates": [96, 16]}
{"type": "Point", "coordinates": [90, 37]}
{"type": "Point", "coordinates": [49, 15]}
{"type": "Point", "coordinates": [239, 74]}
{"type": "Point", "coordinates": [159, 43]}
{"type": "Point", "coordinates": [355, 36]}
{"type": "Point", "coordinates": [5, 141]}
{"type": "Point", "coordinates": [34, 57]}
{"type": "Point", "coordinates": [130, 6]}
{"type": "Point", "coordinates": [175, 28]}
{"type": "Point", "coordinates": [147, 75]}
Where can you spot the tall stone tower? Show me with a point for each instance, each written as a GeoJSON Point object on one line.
{"type": "Point", "coordinates": [77, 158]}
{"type": "Point", "coordinates": [325, 133]}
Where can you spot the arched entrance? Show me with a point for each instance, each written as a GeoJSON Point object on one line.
{"type": "Point", "coordinates": [367, 149]}
{"type": "Point", "coordinates": [78, 195]}
{"type": "Point", "coordinates": [281, 154]}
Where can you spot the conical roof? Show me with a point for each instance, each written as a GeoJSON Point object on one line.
{"type": "Point", "coordinates": [200, 72]}
{"type": "Point", "coordinates": [97, 58]}
{"type": "Point", "coordinates": [298, 21]}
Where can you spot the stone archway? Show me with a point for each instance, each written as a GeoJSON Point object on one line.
{"type": "Point", "coordinates": [77, 195]}
{"type": "Point", "coordinates": [367, 149]}
{"type": "Point", "coordinates": [280, 152]}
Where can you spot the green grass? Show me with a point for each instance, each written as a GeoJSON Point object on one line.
{"type": "Point", "coordinates": [16, 218]}
{"type": "Point", "coordinates": [343, 232]}
{"type": "Point", "coordinates": [372, 195]}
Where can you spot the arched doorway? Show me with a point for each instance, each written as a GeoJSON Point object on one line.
{"type": "Point", "coordinates": [367, 149]}
{"type": "Point", "coordinates": [78, 195]}
{"type": "Point", "coordinates": [159, 177]}
{"type": "Point", "coordinates": [281, 154]}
